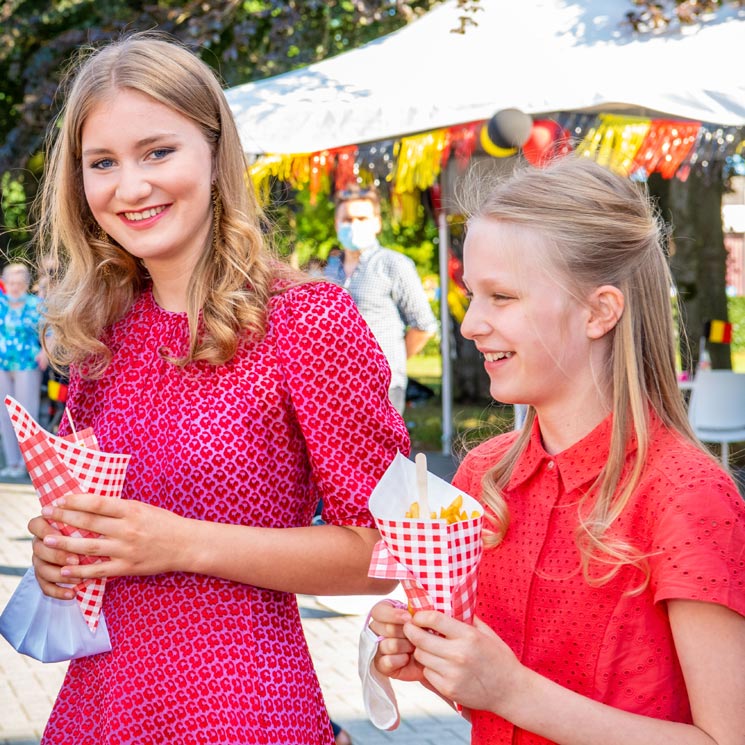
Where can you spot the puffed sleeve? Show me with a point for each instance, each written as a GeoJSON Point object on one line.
{"type": "Point", "coordinates": [338, 380]}
{"type": "Point", "coordinates": [698, 550]}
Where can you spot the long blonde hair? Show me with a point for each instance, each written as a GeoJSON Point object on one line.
{"type": "Point", "coordinates": [603, 230]}
{"type": "Point", "coordinates": [95, 281]}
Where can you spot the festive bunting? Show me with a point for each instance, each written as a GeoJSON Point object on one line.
{"type": "Point", "coordinates": [419, 161]}
{"type": "Point", "coordinates": [346, 168]}
{"type": "Point", "coordinates": [666, 146]}
{"type": "Point", "coordinates": [633, 146]}
{"type": "Point", "coordinates": [615, 141]}
{"type": "Point", "coordinates": [320, 168]}
{"type": "Point", "coordinates": [462, 142]}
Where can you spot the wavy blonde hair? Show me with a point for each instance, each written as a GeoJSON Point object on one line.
{"type": "Point", "coordinates": [95, 281]}
{"type": "Point", "coordinates": [602, 230]}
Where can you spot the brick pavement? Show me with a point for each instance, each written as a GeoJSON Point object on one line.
{"type": "Point", "coordinates": [28, 688]}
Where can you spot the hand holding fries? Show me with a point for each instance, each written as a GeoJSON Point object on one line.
{"type": "Point", "coordinates": [435, 558]}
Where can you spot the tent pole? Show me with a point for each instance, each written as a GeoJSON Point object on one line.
{"type": "Point", "coordinates": [447, 383]}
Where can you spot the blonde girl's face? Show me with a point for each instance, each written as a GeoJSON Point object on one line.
{"type": "Point", "coordinates": [530, 331]}
{"type": "Point", "coordinates": [147, 174]}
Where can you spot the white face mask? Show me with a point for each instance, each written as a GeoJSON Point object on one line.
{"type": "Point", "coordinates": [357, 235]}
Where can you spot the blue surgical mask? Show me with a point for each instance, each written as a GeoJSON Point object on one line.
{"type": "Point", "coordinates": [357, 236]}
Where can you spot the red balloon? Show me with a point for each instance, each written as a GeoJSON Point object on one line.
{"type": "Point", "coordinates": [547, 140]}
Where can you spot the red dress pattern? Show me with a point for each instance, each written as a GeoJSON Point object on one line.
{"type": "Point", "coordinates": [602, 642]}
{"type": "Point", "coordinates": [301, 414]}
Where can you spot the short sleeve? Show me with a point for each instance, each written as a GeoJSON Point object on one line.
{"type": "Point", "coordinates": [338, 380]}
{"type": "Point", "coordinates": [698, 546]}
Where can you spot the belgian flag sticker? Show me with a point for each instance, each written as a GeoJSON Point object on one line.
{"type": "Point", "coordinates": [719, 332]}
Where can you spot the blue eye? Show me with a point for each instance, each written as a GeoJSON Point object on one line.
{"type": "Point", "coordinates": [103, 163]}
{"type": "Point", "coordinates": [161, 152]}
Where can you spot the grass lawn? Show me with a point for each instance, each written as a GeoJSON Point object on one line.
{"type": "Point", "coordinates": [471, 422]}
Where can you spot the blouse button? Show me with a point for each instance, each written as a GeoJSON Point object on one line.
{"type": "Point", "coordinates": [550, 465]}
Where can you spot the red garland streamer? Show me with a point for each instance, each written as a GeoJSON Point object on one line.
{"type": "Point", "coordinates": [462, 141]}
{"type": "Point", "coordinates": [666, 146]}
{"type": "Point", "coordinates": [346, 172]}
{"type": "Point", "coordinates": [320, 166]}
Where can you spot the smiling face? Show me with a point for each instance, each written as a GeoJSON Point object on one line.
{"type": "Point", "coordinates": [532, 333]}
{"type": "Point", "coordinates": [147, 174]}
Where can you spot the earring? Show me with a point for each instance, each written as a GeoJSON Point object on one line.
{"type": "Point", "coordinates": [103, 236]}
{"type": "Point", "coordinates": [216, 220]}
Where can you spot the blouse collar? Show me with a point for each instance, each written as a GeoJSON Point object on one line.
{"type": "Point", "coordinates": [579, 464]}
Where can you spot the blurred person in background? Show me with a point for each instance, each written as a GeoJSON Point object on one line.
{"type": "Point", "coordinates": [22, 360]}
{"type": "Point", "coordinates": [384, 285]}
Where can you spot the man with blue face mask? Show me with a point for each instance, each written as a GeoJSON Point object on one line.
{"type": "Point", "coordinates": [384, 285]}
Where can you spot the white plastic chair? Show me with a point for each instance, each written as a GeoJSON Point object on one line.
{"type": "Point", "coordinates": [716, 409]}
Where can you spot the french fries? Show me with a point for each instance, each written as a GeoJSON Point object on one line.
{"type": "Point", "coordinates": [453, 513]}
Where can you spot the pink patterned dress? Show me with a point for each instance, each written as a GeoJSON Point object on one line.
{"type": "Point", "coordinates": [299, 415]}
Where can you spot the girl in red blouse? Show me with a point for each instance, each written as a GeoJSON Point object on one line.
{"type": "Point", "coordinates": [612, 591]}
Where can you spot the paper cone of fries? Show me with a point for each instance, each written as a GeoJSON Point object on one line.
{"type": "Point", "coordinates": [435, 560]}
{"type": "Point", "coordinates": [69, 465]}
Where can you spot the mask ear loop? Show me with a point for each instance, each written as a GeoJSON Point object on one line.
{"type": "Point", "coordinates": [378, 695]}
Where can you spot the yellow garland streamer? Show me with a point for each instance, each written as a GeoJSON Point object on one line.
{"type": "Point", "coordinates": [292, 168]}
{"type": "Point", "coordinates": [419, 160]}
{"type": "Point", "coordinates": [615, 141]}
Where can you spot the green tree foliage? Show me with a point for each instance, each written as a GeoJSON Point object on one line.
{"type": "Point", "coordinates": [653, 15]}
{"type": "Point", "coordinates": [241, 40]}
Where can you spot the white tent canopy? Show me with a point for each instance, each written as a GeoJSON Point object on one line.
{"type": "Point", "coordinates": [540, 56]}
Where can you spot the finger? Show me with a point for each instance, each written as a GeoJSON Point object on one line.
{"type": "Point", "coordinates": [93, 503]}
{"type": "Point", "coordinates": [396, 646]}
{"type": "Point", "coordinates": [439, 622]}
{"type": "Point", "coordinates": [53, 556]}
{"type": "Point", "coordinates": [39, 527]}
{"type": "Point", "coordinates": [388, 630]}
{"type": "Point", "coordinates": [79, 546]}
{"type": "Point", "coordinates": [389, 665]}
{"type": "Point", "coordinates": [94, 570]}
{"type": "Point", "coordinates": [385, 612]}
{"type": "Point", "coordinates": [49, 578]}
{"type": "Point", "coordinates": [82, 521]}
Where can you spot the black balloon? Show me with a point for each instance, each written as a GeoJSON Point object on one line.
{"type": "Point", "coordinates": [509, 128]}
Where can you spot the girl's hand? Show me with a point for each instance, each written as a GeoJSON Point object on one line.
{"type": "Point", "coordinates": [135, 538]}
{"type": "Point", "coordinates": [48, 562]}
{"type": "Point", "coordinates": [467, 664]}
{"type": "Point", "coordinates": [394, 656]}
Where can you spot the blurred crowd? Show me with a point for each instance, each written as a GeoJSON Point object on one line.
{"type": "Point", "coordinates": [24, 370]}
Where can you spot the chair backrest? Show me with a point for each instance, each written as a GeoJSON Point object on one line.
{"type": "Point", "coordinates": [717, 401]}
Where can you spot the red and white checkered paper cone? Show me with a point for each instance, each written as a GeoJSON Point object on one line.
{"type": "Point", "coordinates": [436, 563]}
{"type": "Point", "coordinates": [69, 465]}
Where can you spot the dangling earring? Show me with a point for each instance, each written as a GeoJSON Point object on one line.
{"type": "Point", "coordinates": [102, 235]}
{"type": "Point", "coordinates": [216, 219]}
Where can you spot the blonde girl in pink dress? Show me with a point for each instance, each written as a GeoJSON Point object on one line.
{"type": "Point", "coordinates": [243, 394]}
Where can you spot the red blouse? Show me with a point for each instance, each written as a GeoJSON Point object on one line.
{"type": "Point", "coordinates": [602, 642]}
{"type": "Point", "coordinates": [300, 414]}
